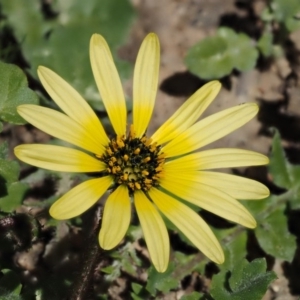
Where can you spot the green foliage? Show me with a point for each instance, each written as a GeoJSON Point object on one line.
{"type": "Point", "coordinates": [9, 170]}
{"type": "Point", "coordinates": [14, 91]}
{"type": "Point", "coordinates": [126, 260]}
{"type": "Point", "coordinates": [274, 237]}
{"type": "Point", "coordinates": [279, 167]}
{"type": "Point", "coordinates": [272, 230]}
{"type": "Point", "coordinates": [135, 297]}
{"type": "Point", "coordinates": [10, 286]}
{"type": "Point", "coordinates": [61, 42]}
{"type": "Point", "coordinates": [14, 197]}
{"type": "Point", "coordinates": [283, 11]}
{"type": "Point", "coordinates": [247, 281]}
{"type": "Point", "coordinates": [265, 43]}
{"type": "Point", "coordinates": [283, 173]}
{"type": "Point", "coordinates": [235, 251]}
{"type": "Point", "coordinates": [217, 56]}
{"type": "Point", "coordinates": [161, 281]}
{"type": "Point", "coordinates": [10, 296]}
{"type": "Point", "coordinates": [136, 288]}
{"type": "Point", "coordinates": [11, 191]}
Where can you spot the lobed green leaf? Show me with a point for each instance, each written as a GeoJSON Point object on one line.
{"type": "Point", "coordinates": [247, 281]}
{"type": "Point", "coordinates": [217, 56]}
{"type": "Point", "coordinates": [14, 91]}
{"type": "Point", "coordinates": [274, 237]}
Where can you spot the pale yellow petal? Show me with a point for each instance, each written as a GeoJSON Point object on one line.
{"type": "Point", "coordinates": [236, 186]}
{"type": "Point", "coordinates": [61, 126]}
{"type": "Point", "coordinates": [80, 198]}
{"type": "Point", "coordinates": [58, 158]}
{"type": "Point", "coordinates": [211, 129]}
{"type": "Point", "coordinates": [209, 198]}
{"type": "Point", "coordinates": [188, 113]}
{"type": "Point", "coordinates": [71, 102]}
{"type": "Point", "coordinates": [108, 83]}
{"type": "Point", "coordinates": [155, 232]}
{"type": "Point", "coordinates": [116, 218]}
{"type": "Point", "coordinates": [216, 159]}
{"type": "Point", "coordinates": [145, 81]}
{"type": "Point", "coordinates": [190, 224]}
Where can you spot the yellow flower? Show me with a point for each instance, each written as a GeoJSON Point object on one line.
{"type": "Point", "coordinates": [154, 172]}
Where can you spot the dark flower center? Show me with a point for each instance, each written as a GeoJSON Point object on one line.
{"type": "Point", "coordinates": [135, 162]}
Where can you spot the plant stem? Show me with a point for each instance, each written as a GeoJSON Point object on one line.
{"type": "Point", "coordinates": [82, 286]}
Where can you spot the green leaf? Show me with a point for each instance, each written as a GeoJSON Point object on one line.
{"type": "Point", "coordinates": [14, 197]}
{"type": "Point", "coordinates": [136, 287]}
{"type": "Point", "coordinates": [62, 43]}
{"type": "Point", "coordinates": [217, 56]}
{"type": "Point", "coordinates": [135, 297]}
{"type": "Point", "coordinates": [14, 91]}
{"type": "Point", "coordinates": [235, 251]}
{"type": "Point", "coordinates": [248, 281]}
{"type": "Point", "coordinates": [265, 43]}
{"type": "Point", "coordinates": [279, 166]}
{"type": "Point", "coordinates": [161, 281]}
{"type": "Point", "coordinates": [267, 15]}
{"type": "Point", "coordinates": [284, 11]}
{"type": "Point", "coordinates": [11, 191]}
{"type": "Point", "coordinates": [9, 170]}
{"type": "Point", "coordinates": [293, 24]}
{"type": "Point", "coordinates": [108, 270]}
{"type": "Point", "coordinates": [241, 49]}
{"type": "Point", "coordinates": [274, 237]}
{"type": "Point", "coordinates": [3, 150]}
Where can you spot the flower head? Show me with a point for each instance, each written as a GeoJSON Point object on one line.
{"type": "Point", "coordinates": [159, 172]}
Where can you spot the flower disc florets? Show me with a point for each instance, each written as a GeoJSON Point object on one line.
{"type": "Point", "coordinates": [135, 162]}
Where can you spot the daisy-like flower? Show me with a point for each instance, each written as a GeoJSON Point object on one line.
{"type": "Point", "coordinates": [159, 172]}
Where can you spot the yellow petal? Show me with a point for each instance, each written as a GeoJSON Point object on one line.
{"type": "Point", "coordinates": [209, 198]}
{"type": "Point", "coordinates": [80, 198]}
{"type": "Point", "coordinates": [216, 159]}
{"type": "Point", "coordinates": [61, 126]}
{"type": "Point", "coordinates": [108, 83]}
{"type": "Point", "coordinates": [116, 218]}
{"type": "Point", "coordinates": [235, 186]}
{"type": "Point", "coordinates": [145, 82]}
{"type": "Point", "coordinates": [155, 232]}
{"type": "Point", "coordinates": [211, 129]}
{"type": "Point", "coordinates": [190, 224]}
{"type": "Point", "coordinates": [70, 101]}
{"type": "Point", "coordinates": [188, 113]}
{"type": "Point", "coordinates": [58, 158]}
